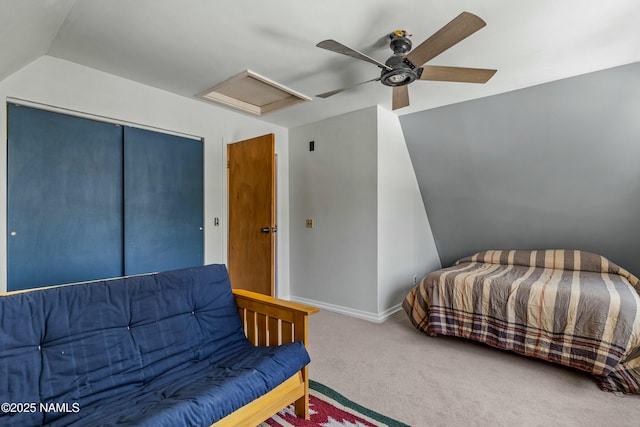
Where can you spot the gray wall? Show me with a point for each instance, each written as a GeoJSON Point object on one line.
{"type": "Point", "coordinates": [335, 262]}
{"type": "Point", "coordinates": [371, 234]}
{"type": "Point", "coordinates": [551, 166]}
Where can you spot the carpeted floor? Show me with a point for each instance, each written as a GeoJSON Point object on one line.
{"type": "Point", "coordinates": [422, 381]}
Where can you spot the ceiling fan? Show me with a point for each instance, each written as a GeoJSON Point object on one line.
{"type": "Point", "coordinates": [404, 67]}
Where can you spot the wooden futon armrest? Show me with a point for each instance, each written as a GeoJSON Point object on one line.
{"type": "Point", "coordinates": [272, 321]}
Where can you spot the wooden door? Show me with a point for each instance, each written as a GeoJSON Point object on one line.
{"type": "Point", "coordinates": [251, 180]}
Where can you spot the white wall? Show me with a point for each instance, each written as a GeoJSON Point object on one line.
{"type": "Point", "coordinates": [334, 263]}
{"type": "Point", "coordinates": [70, 86]}
{"type": "Point", "coordinates": [406, 248]}
{"type": "Point", "coordinates": [371, 234]}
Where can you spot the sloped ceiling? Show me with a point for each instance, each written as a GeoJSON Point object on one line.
{"type": "Point", "coordinates": [27, 29]}
{"type": "Point", "coordinates": [187, 46]}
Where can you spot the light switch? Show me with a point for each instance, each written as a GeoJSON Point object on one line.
{"type": "Point", "coordinates": [309, 223]}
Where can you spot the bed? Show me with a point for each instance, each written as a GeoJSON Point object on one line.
{"type": "Point", "coordinates": [565, 306]}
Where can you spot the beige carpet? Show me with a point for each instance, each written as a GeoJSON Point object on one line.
{"type": "Point", "coordinates": [422, 381]}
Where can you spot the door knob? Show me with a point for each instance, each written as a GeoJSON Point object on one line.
{"type": "Point", "coordinates": [265, 229]}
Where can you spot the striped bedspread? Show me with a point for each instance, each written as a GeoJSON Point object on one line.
{"type": "Point", "coordinates": [570, 307]}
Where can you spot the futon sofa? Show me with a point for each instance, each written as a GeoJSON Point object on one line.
{"type": "Point", "coordinates": [177, 348]}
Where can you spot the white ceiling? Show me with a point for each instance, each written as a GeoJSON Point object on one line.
{"type": "Point", "coordinates": [187, 46]}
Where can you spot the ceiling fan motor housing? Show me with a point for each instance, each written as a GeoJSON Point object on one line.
{"type": "Point", "coordinates": [401, 73]}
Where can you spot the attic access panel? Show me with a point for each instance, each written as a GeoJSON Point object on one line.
{"type": "Point", "coordinates": [253, 93]}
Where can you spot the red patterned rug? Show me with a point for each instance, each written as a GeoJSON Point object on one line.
{"type": "Point", "coordinates": [328, 408]}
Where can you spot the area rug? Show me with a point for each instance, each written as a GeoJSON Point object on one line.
{"type": "Point", "coordinates": [328, 408]}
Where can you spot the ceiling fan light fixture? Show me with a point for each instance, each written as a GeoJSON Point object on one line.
{"type": "Point", "coordinates": [398, 77]}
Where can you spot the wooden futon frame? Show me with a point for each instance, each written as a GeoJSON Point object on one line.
{"type": "Point", "coordinates": [272, 321]}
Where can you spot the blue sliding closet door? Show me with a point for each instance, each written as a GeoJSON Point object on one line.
{"type": "Point", "coordinates": [64, 193]}
{"type": "Point", "coordinates": [163, 202]}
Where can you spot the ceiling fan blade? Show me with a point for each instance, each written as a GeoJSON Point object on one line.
{"type": "Point", "coordinates": [455, 31]}
{"type": "Point", "coordinates": [337, 47]}
{"type": "Point", "coordinates": [400, 97]}
{"type": "Point", "coordinates": [334, 92]}
{"type": "Point", "coordinates": [456, 74]}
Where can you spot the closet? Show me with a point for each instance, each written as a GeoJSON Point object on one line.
{"type": "Point", "coordinates": [90, 200]}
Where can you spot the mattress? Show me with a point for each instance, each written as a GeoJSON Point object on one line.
{"type": "Point", "coordinates": [565, 306]}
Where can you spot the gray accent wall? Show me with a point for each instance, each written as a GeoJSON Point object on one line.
{"type": "Point", "coordinates": [550, 166]}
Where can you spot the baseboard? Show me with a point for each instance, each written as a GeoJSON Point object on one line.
{"type": "Point", "coordinates": [353, 312]}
